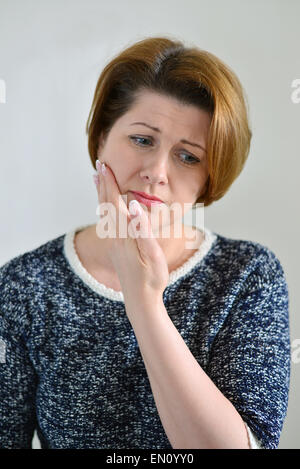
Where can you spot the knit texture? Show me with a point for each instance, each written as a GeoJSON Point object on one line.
{"type": "Point", "coordinates": [71, 367]}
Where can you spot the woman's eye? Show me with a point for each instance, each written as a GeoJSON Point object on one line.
{"type": "Point", "coordinates": [187, 162]}
{"type": "Point", "coordinates": [192, 161]}
{"type": "Point", "coordinates": [139, 138]}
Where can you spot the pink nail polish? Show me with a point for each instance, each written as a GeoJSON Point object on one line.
{"type": "Point", "coordinates": [103, 169]}
{"type": "Point", "coordinates": [134, 207]}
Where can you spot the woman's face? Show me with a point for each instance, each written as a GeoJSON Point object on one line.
{"type": "Point", "coordinates": [156, 160]}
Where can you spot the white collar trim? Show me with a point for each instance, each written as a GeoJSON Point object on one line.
{"type": "Point", "coordinates": [77, 267]}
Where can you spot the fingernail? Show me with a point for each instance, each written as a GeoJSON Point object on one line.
{"type": "Point", "coordinates": [103, 169]}
{"type": "Point", "coordinates": [98, 165]}
{"type": "Point", "coordinates": [134, 208]}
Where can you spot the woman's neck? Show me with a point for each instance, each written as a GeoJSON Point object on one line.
{"type": "Point", "coordinates": [177, 250]}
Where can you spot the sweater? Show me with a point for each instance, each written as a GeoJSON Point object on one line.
{"type": "Point", "coordinates": [70, 364]}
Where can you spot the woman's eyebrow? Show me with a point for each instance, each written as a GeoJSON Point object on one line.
{"type": "Point", "coordinates": [156, 129]}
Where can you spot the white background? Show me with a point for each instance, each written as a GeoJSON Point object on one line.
{"type": "Point", "coordinates": [51, 55]}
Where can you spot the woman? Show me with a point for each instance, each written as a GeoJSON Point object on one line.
{"type": "Point", "coordinates": [140, 341]}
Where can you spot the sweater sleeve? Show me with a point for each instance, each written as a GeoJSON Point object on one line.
{"type": "Point", "coordinates": [250, 356]}
{"type": "Point", "coordinates": [17, 375]}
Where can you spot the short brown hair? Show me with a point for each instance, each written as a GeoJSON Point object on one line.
{"type": "Point", "coordinates": [190, 75]}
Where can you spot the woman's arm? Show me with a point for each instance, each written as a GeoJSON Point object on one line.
{"type": "Point", "coordinates": [249, 359]}
{"type": "Point", "coordinates": [18, 379]}
{"type": "Point", "coordinates": [193, 412]}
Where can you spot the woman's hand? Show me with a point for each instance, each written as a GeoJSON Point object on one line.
{"type": "Point", "coordinates": [138, 260]}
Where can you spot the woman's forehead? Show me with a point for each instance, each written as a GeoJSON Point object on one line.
{"type": "Point", "coordinates": [161, 113]}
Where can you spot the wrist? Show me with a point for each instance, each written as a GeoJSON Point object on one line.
{"type": "Point", "coordinates": [146, 303]}
{"type": "Point", "coordinates": [145, 296]}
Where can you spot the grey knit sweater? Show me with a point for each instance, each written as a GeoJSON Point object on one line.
{"type": "Point", "coordinates": [70, 365]}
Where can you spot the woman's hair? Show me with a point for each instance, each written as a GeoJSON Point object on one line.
{"type": "Point", "coordinates": [190, 75]}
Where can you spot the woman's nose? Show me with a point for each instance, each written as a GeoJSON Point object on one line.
{"type": "Point", "coordinates": [156, 172]}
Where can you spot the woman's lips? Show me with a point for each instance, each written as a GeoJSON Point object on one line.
{"type": "Point", "coordinates": [143, 200]}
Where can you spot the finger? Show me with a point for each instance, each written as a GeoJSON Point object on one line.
{"type": "Point", "coordinates": [118, 211]}
{"type": "Point", "coordinates": [140, 229]}
{"type": "Point", "coordinates": [113, 193]}
{"type": "Point", "coordinates": [101, 210]}
{"type": "Point", "coordinates": [101, 188]}
{"type": "Point", "coordinates": [97, 185]}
